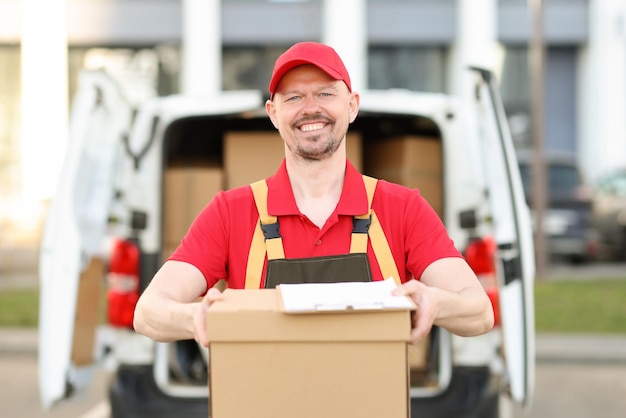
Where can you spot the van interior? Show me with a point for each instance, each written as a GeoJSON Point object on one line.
{"type": "Point", "coordinates": [203, 155]}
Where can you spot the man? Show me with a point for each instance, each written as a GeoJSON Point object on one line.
{"type": "Point", "coordinates": [320, 202]}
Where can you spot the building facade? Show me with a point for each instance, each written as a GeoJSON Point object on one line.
{"type": "Point", "coordinates": [160, 47]}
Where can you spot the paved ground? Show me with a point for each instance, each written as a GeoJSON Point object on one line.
{"type": "Point", "coordinates": [578, 390]}
{"type": "Point", "coordinates": [577, 375]}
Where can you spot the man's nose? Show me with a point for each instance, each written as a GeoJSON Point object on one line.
{"type": "Point", "coordinates": [311, 104]}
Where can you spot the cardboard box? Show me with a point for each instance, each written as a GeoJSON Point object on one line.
{"type": "Point", "coordinates": [186, 191]}
{"type": "Point", "coordinates": [87, 318]}
{"type": "Point", "coordinates": [252, 156]}
{"type": "Point", "coordinates": [265, 363]}
{"type": "Point", "coordinates": [412, 161]}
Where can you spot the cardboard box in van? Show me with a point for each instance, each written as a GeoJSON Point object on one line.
{"type": "Point", "coordinates": [413, 161]}
{"type": "Point", "coordinates": [255, 155]}
{"type": "Point", "coordinates": [268, 363]}
{"type": "Point", "coordinates": [186, 191]}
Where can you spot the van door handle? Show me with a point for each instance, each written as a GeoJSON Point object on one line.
{"type": "Point", "coordinates": [511, 262]}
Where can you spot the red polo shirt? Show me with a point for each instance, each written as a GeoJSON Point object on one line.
{"type": "Point", "coordinates": [219, 239]}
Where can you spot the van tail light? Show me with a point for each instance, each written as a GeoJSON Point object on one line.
{"type": "Point", "coordinates": [123, 283]}
{"type": "Point", "coordinates": [481, 257]}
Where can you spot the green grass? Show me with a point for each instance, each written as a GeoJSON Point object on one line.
{"type": "Point", "coordinates": [19, 308]}
{"type": "Point", "coordinates": [590, 306]}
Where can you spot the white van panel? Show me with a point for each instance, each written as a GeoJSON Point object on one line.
{"type": "Point", "coordinates": [513, 234]}
{"type": "Point", "coordinates": [76, 227]}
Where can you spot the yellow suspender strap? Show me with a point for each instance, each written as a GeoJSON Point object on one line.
{"type": "Point", "coordinates": [380, 245]}
{"type": "Point", "coordinates": [260, 245]}
{"type": "Point", "coordinates": [274, 246]}
{"type": "Point", "coordinates": [256, 258]}
{"type": "Point", "coordinates": [382, 251]}
{"type": "Point", "coordinates": [358, 243]}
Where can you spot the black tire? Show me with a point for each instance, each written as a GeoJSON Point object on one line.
{"type": "Point", "coordinates": [133, 393]}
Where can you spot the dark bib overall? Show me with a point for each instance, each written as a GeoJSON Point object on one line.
{"type": "Point", "coordinates": [330, 269]}
{"type": "Point", "coordinates": [351, 267]}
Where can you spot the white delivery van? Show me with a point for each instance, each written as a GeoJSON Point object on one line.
{"type": "Point", "coordinates": [134, 179]}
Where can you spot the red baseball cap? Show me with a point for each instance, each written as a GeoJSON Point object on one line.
{"type": "Point", "coordinates": [322, 56]}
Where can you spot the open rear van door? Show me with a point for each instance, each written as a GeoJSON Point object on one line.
{"type": "Point", "coordinates": [72, 261]}
{"type": "Point", "coordinates": [513, 235]}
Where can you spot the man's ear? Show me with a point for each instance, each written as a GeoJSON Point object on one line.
{"type": "Point", "coordinates": [355, 102]}
{"type": "Point", "coordinates": [271, 112]}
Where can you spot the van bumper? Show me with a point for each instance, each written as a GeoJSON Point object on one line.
{"type": "Point", "coordinates": [134, 393]}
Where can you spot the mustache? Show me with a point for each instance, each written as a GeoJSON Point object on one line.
{"type": "Point", "coordinates": [313, 118]}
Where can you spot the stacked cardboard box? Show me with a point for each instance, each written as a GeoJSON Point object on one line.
{"type": "Point", "coordinates": [251, 156]}
{"type": "Point", "coordinates": [248, 157]}
{"type": "Point", "coordinates": [186, 191]}
{"type": "Point", "coordinates": [413, 161]}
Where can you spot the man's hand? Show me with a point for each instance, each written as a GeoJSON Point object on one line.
{"type": "Point", "coordinates": [426, 314]}
{"type": "Point", "coordinates": [199, 315]}
{"type": "Point", "coordinates": [450, 296]}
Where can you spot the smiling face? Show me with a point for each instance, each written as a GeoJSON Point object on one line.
{"type": "Point", "coordinates": [312, 112]}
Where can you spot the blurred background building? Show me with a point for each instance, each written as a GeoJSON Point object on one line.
{"type": "Point", "coordinates": [162, 47]}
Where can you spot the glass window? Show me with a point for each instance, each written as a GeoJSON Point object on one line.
{"type": "Point", "coordinates": [515, 92]}
{"type": "Point", "coordinates": [564, 179]}
{"type": "Point", "coordinates": [249, 67]}
{"type": "Point", "coordinates": [514, 78]}
{"type": "Point", "coordinates": [409, 67]}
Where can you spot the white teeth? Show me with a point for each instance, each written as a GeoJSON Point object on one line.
{"type": "Point", "coordinates": [311, 127]}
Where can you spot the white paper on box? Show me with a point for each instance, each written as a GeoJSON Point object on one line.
{"type": "Point", "coordinates": [309, 297]}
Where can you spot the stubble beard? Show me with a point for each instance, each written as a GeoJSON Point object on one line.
{"type": "Point", "coordinates": [309, 149]}
{"type": "Point", "coordinates": [313, 153]}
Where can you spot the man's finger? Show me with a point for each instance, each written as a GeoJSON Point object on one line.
{"type": "Point", "coordinates": [211, 296]}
